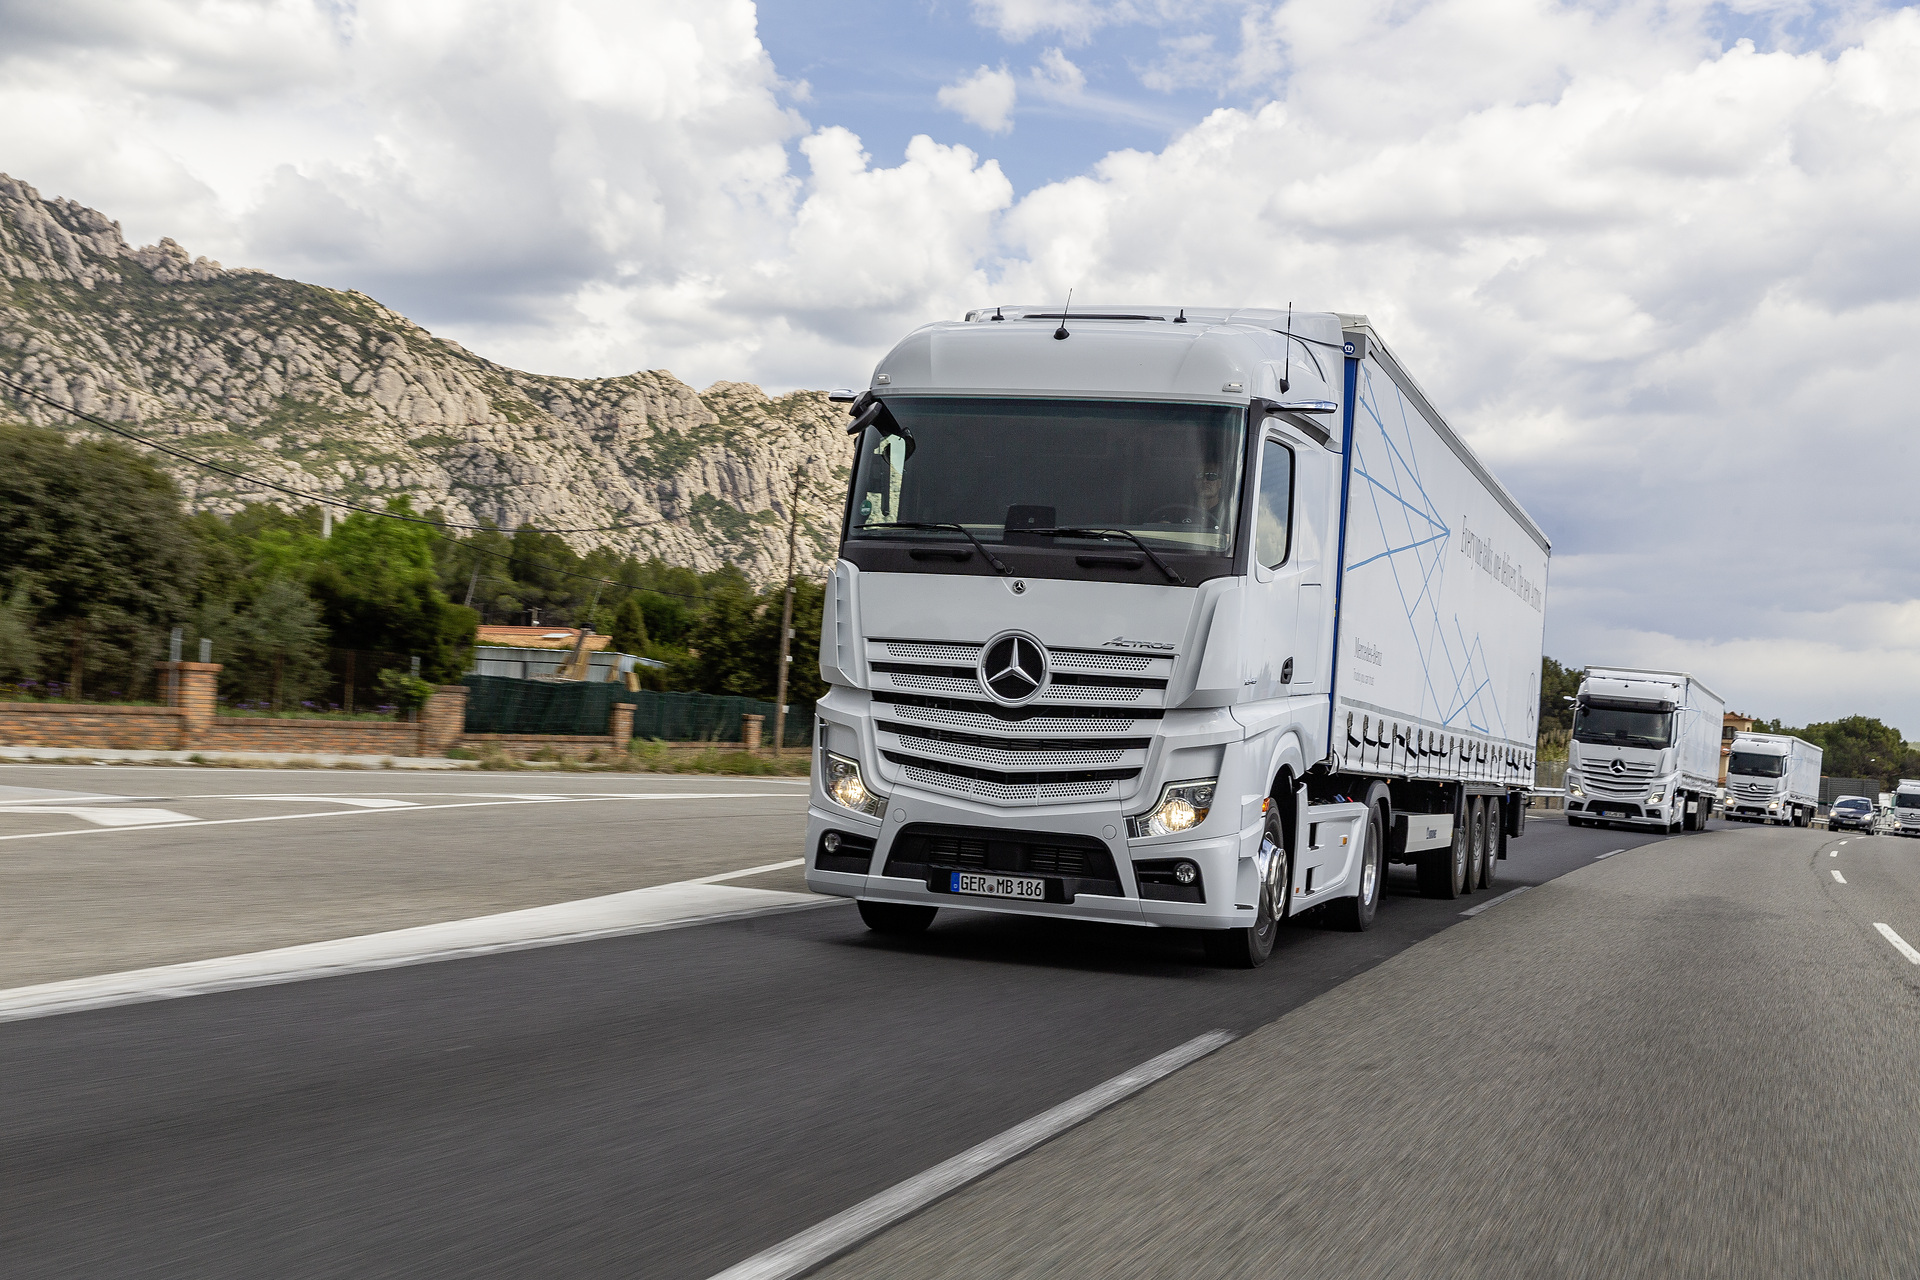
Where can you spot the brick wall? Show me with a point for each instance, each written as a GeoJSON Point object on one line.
{"type": "Point", "coordinates": [319, 737]}
{"type": "Point", "coordinates": [67, 724]}
{"type": "Point", "coordinates": [524, 746]}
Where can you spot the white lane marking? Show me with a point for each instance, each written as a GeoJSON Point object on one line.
{"type": "Point", "coordinates": [1838, 878]}
{"type": "Point", "coordinates": [1834, 854]}
{"type": "Point", "coordinates": [34, 795]}
{"type": "Point", "coordinates": [801, 1253]}
{"type": "Point", "coordinates": [667, 906]}
{"type": "Point", "coordinates": [1610, 853]}
{"type": "Point", "coordinates": [102, 817]}
{"type": "Point", "coordinates": [1494, 902]}
{"type": "Point", "coordinates": [1838, 845]}
{"type": "Point", "coordinates": [418, 808]}
{"type": "Point", "coordinates": [1899, 943]}
{"type": "Point", "coordinates": [749, 871]}
{"type": "Point", "coordinates": [356, 802]}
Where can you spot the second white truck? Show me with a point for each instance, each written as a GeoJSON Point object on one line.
{"type": "Point", "coordinates": [1773, 778]}
{"type": "Point", "coordinates": [1906, 807]}
{"type": "Point", "coordinates": [1645, 750]}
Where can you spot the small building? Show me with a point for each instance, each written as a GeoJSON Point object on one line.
{"type": "Point", "coordinates": [527, 653]}
{"type": "Point", "coordinates": [1731, 723]}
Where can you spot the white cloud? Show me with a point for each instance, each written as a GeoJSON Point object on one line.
{"type": "Point", "coordinates": [1670, 290]}
{"type": "Point", "coordinates": [984, 99]}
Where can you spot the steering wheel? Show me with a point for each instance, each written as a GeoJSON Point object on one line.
{"type": "Point", "coordinates": [1174, 513]}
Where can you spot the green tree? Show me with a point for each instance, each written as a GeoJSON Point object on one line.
{"type": "Point", "coordinates": [277, 647]}
{"type": "Point", "coordinates": [96, 536]}
{"type": "Point", "coordinates": [1557, 684]}
{"type": "Point", "coordinates": [19, 650]}
{"type": "Point", "coordinates": [630, 627]}
{"type": "Point", "coordinates": [723, 647]}
{"type": "Point", "coordinates": [378, 589]}
{"type": "Point", "coordinates": [1860, 747]}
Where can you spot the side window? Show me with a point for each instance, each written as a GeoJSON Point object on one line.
{"type": "Point", "coordinates": [1273, 531]}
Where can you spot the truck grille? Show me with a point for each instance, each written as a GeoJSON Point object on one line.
{"type": "Point", "coordinates": [1599, 779]}
{"type": "Point", "coordinates": [1080, 863]}
{"type": "Point", "coordinates": [1080, 740]}
{"type": "Point", "coordinates": [1751, 790]}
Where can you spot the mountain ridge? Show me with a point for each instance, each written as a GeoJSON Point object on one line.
{"type": "Point", "coordinates": [332, 392]}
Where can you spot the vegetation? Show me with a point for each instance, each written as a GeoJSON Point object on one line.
{"type": "Point", "coordinates": [1856, 747]}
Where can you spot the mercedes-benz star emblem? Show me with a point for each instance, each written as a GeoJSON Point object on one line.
{"type": "Point", "coordinates": [1619, 765]}
{"type": "Point", "coordinates": [1013, 669]}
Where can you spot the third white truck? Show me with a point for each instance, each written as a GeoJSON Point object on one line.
{"type": "Point", "coordinates": [1773, 778]}
{"type": "Point", "coordinates": [1645, 750]}
{"type": "Point", "coordinates": [1906, 807]}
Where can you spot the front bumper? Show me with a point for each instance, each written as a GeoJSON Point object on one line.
{"type": "Point", "coordinates": [1219, 857]}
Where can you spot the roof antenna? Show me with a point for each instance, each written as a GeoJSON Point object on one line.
{"type": "Point", "coordinates": [1061, 334]}
{"type": "Point", "coordinates": [1182, 317]}
{"type": "Point", "coordinates": [1287, 369]}
{"type": "Point", "coordinates": [997, 315]}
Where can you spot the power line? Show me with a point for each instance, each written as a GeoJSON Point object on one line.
{"type": "Point", "coordinates": [281, 488]}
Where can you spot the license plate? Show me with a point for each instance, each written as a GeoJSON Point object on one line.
{"type": "Point", "coordinates": [987, 886]}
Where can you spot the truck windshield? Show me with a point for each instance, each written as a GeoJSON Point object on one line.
{"type": "Point", "coordinates": [1169, 474]}
{"type": "Point", "coordinates": [1756, 765]}
{"type": "Point", "coordinates": [1622, 727]}
{"type": "Point", "coordinates": [1907, 800]}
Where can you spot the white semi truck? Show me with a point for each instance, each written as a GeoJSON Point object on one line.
{"type": "Point", "coordinates": [1906, 807]}
{"type": "Point", "coordinates": [1645, 750]}
{"type": "Point", "coordinates": [1773, 778]}
{"type": "Point", "coordinates": [1168, 616]}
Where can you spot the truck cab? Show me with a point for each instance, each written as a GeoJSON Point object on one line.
{"type": "Point", "coordinates": [1906, 807]}
{"type": "Point", "coordinates": [1626, 762]}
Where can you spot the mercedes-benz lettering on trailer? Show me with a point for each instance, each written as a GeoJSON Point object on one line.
{"type": "Point", "coordinates": [1773, 777]}
{"type": "Point", "coordinates": [1165, 616]}
{"type": "Point", "coordinates": [1645, 750]}
{"type": "Point", "coordinates": [1906, 807]}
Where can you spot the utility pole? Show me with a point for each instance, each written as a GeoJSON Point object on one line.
{"type": "Point", "coordinates": [786, 616]}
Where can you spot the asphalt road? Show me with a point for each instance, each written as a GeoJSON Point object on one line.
{"type": "Point", "coordinates": [659, 1105]}
{"type": "Point", "coordinates": [1693, 1059]}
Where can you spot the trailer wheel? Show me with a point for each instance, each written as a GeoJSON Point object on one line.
{"type": "Point", "coordinates": [1249, 948]}
{"type": "Point", "coordinates": [1490, 844]}
{"type": "Point", "coordinates": [1476, 843]}
{"type": "Point", "coordinates": [1443, 872]}
{"type": "Point", "coordinates": [1701, 818]}
{"type": "Point", "coordinates": [1356, 914]}
{"type": "Point", "coordinates": [896, 918]}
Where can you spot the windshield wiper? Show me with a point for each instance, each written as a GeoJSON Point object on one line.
{"type": "Point", "coordinates": [957, 528]}
{"type": "Point", "coordinates": [1158, 563]}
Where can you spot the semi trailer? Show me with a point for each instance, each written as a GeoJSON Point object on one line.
{"type": "Point", "coordinates": [1774, 778]}
{"type": "Point", "coordinates": [1178, 617]}
{"type": "Point", "coordinates": [1645, 750]}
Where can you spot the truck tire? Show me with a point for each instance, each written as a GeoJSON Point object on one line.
{"type": "Point", "coordinates": [1476, 843]}
{"type": "Point", "coordinates": [1443, 872]}
{"type": "Point", "coordinates": [1249, 948]}
{"type": "Point", "coordinates": [896, 918]}
{"type": "Point", "coordinates": [1705, 815]}
{"type": "Point", "coordinates": [1355, 914]}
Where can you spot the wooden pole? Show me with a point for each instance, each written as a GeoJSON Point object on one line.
{"type": "Point", "coordinates": [786, 620]}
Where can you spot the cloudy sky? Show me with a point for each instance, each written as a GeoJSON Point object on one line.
{"type": "Point", "coordinates": [1659, 262]}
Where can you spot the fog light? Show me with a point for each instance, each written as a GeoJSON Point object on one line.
{"type": "Point", "coordinates": [1183, 806]}
{"type": "Point", "coordinates": [1186, 873]}
{"type": "Point", "coordinates": [830, 842]}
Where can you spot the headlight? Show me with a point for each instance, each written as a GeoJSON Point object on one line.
{"type": "Point", "coordinates": [1573, 789]}
{"type": "Point", "coordinates": [1658, 794]}
{"type": "Point", "coordinates": [1773, 804]}
{"type": "Point", "coordinates": [1183, 806]}
{"type": "Point", "coordinates": [845, 787]}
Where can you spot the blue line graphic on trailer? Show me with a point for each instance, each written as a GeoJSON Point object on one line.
{"type": "Point", "coordinates": [1413, 537]}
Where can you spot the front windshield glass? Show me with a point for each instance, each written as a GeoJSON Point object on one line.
{"type": "Point", "coordinates": [1166, 473]}
{"type": "Point", "coordinates": [1851, 803]}
{"type": "Point", "coordinates": [1907, 800]}
{"type": "Point", "coordinates": [1754, 764]}
{"type": "Point", "coordinates": [1620, 727]}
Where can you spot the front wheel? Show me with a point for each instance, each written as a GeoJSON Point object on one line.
{"type": "Point", "coordinates": [1249, 948]}
{"type": "Point", "coordinates": [1356, 914]}
{"type": "Point", "coordinates": [896, 918]}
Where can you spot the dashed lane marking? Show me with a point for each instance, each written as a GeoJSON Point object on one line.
{"type": "Point", "coordinates": [797, 1255]}
{"type": "Point", "coordinates": [1494, 902]}
{"type": "Point", "coordinates": [1834, 854]}
{"type": "Point", "coordinates": [1609, 853]}
{"type": "Point", "coordinates": [1899, 943]}
{"type": "Point", "coordinates": [1837, 877]}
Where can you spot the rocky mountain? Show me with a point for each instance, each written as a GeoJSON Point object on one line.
{"type": "Point", "coordinates": [333, 393]}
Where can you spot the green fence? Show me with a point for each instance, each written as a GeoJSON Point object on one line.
{"type": "Point", "coordinates": [500, 704]}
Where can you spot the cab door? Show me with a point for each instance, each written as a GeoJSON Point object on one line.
{"type": "Point", "coordinates": [1273, 577]}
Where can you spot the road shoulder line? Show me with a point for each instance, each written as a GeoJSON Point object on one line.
{"type": "Point", "coordinates": [799, 1254]}
{"type": "Point", "coordinates": [667, 906]}
{"type": "Point", "coordinates": [1494, 902]}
